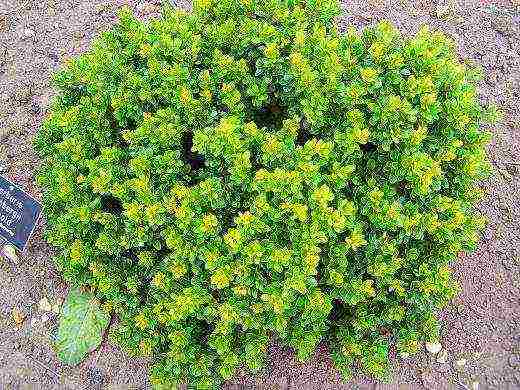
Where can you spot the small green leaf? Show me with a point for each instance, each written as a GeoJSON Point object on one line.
{"type": "Point", "coordinates": [81, 328]}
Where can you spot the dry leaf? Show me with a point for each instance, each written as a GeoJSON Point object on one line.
{"type": "Point", "coordinates": [18, 316]}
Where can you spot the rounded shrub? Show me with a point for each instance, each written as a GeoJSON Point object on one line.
{"type": "Point", "coordinates": [245, 171]}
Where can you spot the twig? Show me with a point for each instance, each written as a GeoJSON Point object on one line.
{"type": "Point", "coordinates": [46, 368]}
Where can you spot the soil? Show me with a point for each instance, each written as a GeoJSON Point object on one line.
{"type": "Point", "coordinates": [481, 327]}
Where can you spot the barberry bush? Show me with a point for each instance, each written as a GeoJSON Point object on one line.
{"type": "Point", "coordinates": [245, 171]}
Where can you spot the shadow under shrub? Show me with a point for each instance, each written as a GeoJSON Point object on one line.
{"type": "Point", "coordinates": [246, 171]}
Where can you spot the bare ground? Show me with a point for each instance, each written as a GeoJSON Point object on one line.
{"type": "Point", "coordinates": [481, 327]}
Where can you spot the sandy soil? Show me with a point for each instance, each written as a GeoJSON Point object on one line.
{"type": "Point", "coordinates": [481, 327]}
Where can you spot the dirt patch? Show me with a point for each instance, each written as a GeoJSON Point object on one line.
{"type": "Point", "coordinates": [481, 328]}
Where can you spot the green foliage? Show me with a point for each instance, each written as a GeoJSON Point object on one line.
{"type": "Point", "coordinates": [81, 328]}
{"type": "Point", "coordinates": [245, 170]}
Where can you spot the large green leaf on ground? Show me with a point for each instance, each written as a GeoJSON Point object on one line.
{"type": "Point", "coordinates": [81, 328]}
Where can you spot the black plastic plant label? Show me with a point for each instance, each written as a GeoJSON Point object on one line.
{"type": "Point", "coordinates": [19, 214]}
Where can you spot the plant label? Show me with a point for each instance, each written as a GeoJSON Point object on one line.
{"type": "Point", "coordinates": [19, 214]}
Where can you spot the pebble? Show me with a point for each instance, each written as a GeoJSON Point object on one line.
{"type": "Point", "coordinates": [460, 364]}
{"type": "Point", "coordinates": [514, 360]}
{"type": "Point", "coordinates": [443, 368]}
{"type": "Point", "coordinates": [442, 10]}
{"type": "Point", "coordinates": [96, 376]}
{"type": "Point", "coordinates": [55, 58]}
{"type": "Point", "coordinates": [427, 379]}
{"type": "Point", "coordinates": [78, 34]}
{"type": "Point", "coordinates": [44, 304]}
{"type": "Point", "coordinates": [442, 357]}
{"type": "Point", "coordinates": [147, 8]}
{"type": "Point", "coordinates": [56, 308]}
{"type": "Point", "coordinates": [102, 8]}
{"type": "Point", "coordinates": [3, 167]}
{"type": "Point", "coordinates": [45, 318]}
{"type": "Point", "coordinates": [23, 94]}
{"type": "Point", "coordinates": [35, 108]}
{"type": "Point", "coordinates": [433, 348]}
{"type": "Point", "coordinates": [28, 33]}
{"type": "Point", "coordinates": [9, 252]}
{"type": "Point", "coordinates": [45, 98]}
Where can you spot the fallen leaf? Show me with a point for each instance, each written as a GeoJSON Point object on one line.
{"type": "Point", "coordinates": [18, 316]}
{"type": "Point", "coordinates": [81, 328]}
{"type": "Point", "coordinates": [3, 23]}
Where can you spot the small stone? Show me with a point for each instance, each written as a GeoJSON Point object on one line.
{"type": "Point", "coordinates": [35, 108]}
{"type": "Point", "coordinates": [54, 57]}
{"type": "Point", "coordinates": [445, 8]}
{"type": "Point", "coordinates": [427, 379]}
{"type": "Point", "coordinates": [433, 348]}
{"type": "Point", "coordinates": [45, 98]}
{"type": "Point", "coordinates": [78, 34]}
{"type": "Point", "coordinates": [513, 169]}
{"type": "Point", "coordinates": [18, 316]}
{"type": "Point", "coordinates": [404, 355]}
{"type": "Point", "coordinates": [45, 318]}
{"type": "Point", "coordinates": [9, 252]}
{"type": "Point", "coordinates": [442, 10]}
{"type": "Point", "coordinates": [44, 304]}
{"type": "Point", "coordinates": [460, 364]}
{"type": "Point", "coordinates": [442, 357]}
{"type": "Point", "coordinates": [96, 376]}
{"type": "Point", "coordinates": [28, 33]}
{"type": "Point", "coordinates": [443, 368]}
{"type": "Point", "coordinates": [102, 8]}
{"type": "Point", "coordinates": [148, 8]}
{"type": "Point", "coordinates": [23, 94]}
{"type": "Point", "coordinates": [34, 322]}
{"type": "Point", "coordinates": [56, 308]}
{"type": "Point", "coordinates": [514, 360]}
